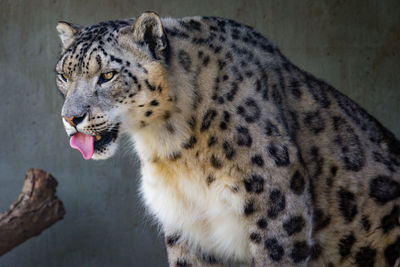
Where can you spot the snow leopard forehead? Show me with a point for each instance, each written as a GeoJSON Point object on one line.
{"type": "Point", "coordinates": [92, 42]}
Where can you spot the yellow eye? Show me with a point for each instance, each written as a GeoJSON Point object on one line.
{"type": "Point", "coordinates": [63, 77]}
{"type": "Point", "coordinates": [108, 76]}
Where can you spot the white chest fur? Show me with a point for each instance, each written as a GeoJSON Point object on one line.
{"type": "Point", "coordinates": [206, 216]}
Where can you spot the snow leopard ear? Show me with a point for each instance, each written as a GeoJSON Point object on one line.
{"type": "Point", "coordinates": [67, 32]}
{"type": "Point", "coordinates": [148, 30]}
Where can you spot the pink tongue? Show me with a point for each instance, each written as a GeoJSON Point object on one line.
{"type": "Point", "coordinates": [83, 143]}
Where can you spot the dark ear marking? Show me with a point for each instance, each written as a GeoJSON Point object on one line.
{"type": "Point", "coordinates": [148, 30]}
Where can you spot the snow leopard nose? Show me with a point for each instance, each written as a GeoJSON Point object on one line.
{"type": "Point", "coordinates": [74, 120]}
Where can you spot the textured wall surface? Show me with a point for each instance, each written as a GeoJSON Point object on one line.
{"type": "Point", "coordinates": [354, 45]}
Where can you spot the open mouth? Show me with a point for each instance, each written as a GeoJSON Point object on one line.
{"type": "Point", "coordinates": [89, 144]}
{"type": "Point", "coordinates": [104, 138]}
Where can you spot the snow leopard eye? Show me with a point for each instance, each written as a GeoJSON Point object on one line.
{"type": "Point", "coordinates": [105, 77]}
{"type": "Point", "coordinates": [63, 77]}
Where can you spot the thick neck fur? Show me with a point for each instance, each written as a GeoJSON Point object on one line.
{"type": "Point", "coordinates": [163, 138]}
{"type": "Point", "coordinates": [190, 78]}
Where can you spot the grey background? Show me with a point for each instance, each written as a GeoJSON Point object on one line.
{"type": "Point", "coordinates": [354, 45]}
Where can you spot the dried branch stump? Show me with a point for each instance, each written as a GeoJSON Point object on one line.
{"type": "Point", "coordinates": [36, 209]}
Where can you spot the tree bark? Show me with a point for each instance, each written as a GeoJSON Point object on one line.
{"type": "Point", "coordinates": [36, 209]}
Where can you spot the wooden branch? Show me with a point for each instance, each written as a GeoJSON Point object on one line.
{"type": "Point", "coordinates": [36, 209]}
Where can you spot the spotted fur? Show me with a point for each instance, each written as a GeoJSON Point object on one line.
{"type": "Point", "coordinates": [245, 158]}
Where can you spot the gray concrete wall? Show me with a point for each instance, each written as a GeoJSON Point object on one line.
{"type": "Point", "coordinates": [354, 45]}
